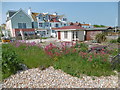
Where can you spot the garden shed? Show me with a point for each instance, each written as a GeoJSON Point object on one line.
{"type": "Point", "coordinates": [92, 32]}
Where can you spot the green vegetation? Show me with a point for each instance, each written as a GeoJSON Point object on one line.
{"type": "Point", "coordinates": [100, 37]}
{"type": "Point", "coordinates": [99, 25]}
{"type": "Point", "coordinates": [73, 60]}
{"type": "Point", "coordinates": [113, 41]}
{"type": "Point", "coordinates": [118, 40]}
{"type": "Point", "coordinates": [10, 61]}
{"type": "Point", "coordinates": [81, 65]}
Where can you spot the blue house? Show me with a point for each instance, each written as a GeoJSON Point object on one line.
{"type": "Point", "coordinates": [18, 21]}
{"type": "Point", "coordinates": [44, 23]}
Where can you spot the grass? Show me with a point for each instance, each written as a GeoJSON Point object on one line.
{"type": "Point", "coordinates": [74, 64]}
{"type": "Point", "coordinates": [0, 62]}
{"type": "Point", "coordinates": [33, 56]}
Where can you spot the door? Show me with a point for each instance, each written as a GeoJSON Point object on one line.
{"type": "Point", "coordinates": [59, 35]}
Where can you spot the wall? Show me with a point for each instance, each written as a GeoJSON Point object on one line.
{"type": "Point", "coordinates": [81, 35]}
{"type": "Point", "coordinates": [9, 27]}
{"type": "Point", "coordinates": [69, 36]}
{"type": "Point", "coordinates": [21, 17]}
{"type": "Point", "coordinates": [90, 35]}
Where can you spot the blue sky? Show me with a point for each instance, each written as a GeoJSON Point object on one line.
{"type": "Point", "coordinates": [103, 13]}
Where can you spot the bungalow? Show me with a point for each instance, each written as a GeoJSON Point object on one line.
{"type": "Point", "coordinates": [77, 33]}
{"type": "Point", "coordinates": [71, 33]}
{"type": "Point", "coordinates": [17, 22]}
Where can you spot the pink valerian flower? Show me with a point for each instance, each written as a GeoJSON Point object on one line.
{"type": "Point", "coordinates": [105, 59]}
{"type": "Point", "coordinates": [90, 56]}
{"type": "Point", "coordinates": [83, 54]}
{"type": "Point", "coordinates": [74, 50]}
{"type": "Point", "coordinates": [61, 51]}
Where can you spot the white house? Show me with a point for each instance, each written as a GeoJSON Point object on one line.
{"type": "Point", "coordinates": [18, 21]}
{"type": "Point", "coordinates": [45, 22]}
{"type": "Point", "coordinates": [71, 33]}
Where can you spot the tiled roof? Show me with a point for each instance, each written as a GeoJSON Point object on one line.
{"type": "Point", "coordinates": [70, 27]}
{"type": "Point", "coordinates": [35, 14]}
{"type": "Point", "coordinates": [34, 17]}
{"type": "Point", "coordinates": [54, 20]}
{"type": "Point", "coordinates": [85, 24]}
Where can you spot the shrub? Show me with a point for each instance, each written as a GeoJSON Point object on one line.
{"type": "Point", "coordinates": [100, 37]}
{"type": "Point", "coordinates": [85, 63]}
{"type": "Point", "coordinates": [10, 61]}
{"type": "Point", "coordinates": [113, 41]}
{"type": "Point", "coordinates": [81, 46]}
{"type": "Point", "coordinates": [118, 40]}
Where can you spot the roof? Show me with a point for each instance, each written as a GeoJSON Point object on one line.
{"type": "Point", "coordinates": [77, 24]}
{"type": "Point", "coordinates": [72, 27]}
{"type": "Point", "coordinates": [96, 28]}
{"type": "Point", "coordinates": [85, 24]}
{"type": "Point", "coordinates": [54, 20]}
{"type": "Point", "coordinates": [17, 13]}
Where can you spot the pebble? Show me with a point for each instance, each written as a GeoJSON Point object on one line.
{"type": "Point", "coordinates": [51, 78]}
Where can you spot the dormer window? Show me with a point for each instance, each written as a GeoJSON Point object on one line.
{"type": "Point", "coordinates": [64, 19]}
{"type": "Point", "coordinates": [56, 25]}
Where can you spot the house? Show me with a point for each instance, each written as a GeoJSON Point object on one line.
{"type": "Point", "coordinates": [44, 22]}
{"type": "Point", "coordinates": [19, 21]}
{"type": "Point", "coordinates": [82, 25]}
{"type": "Point", "coordinates": [71, 33]}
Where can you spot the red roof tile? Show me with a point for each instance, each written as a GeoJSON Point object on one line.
{"type": "Point", "coordinates": [70, 27]}
{"type": "Point", "coordinates": [54, 20]}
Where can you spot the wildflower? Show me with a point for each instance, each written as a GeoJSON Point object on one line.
{"type": "Point", "coordinates": [61, 51]}
{"type": "Point", "coordinates": [105, 59]}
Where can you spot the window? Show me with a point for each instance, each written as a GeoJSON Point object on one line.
{"type": "Point", "coordinates": [73, 35]}
{"type": "Point", "coordinates": [64, 24]}
{"type": "Point", "coordinates": [53, 31]}
{"type": "Point", "coordinates": [19, 25]}
{"type": "Point", "coordinates": [50, 24]}
{"type": "Point", "coordinates": [24, 25]}
{"type": "Point", "coordinates": [65, 34]}
{"type": "Point", "coordinates": [76, 34]}
{"type": "Point", "coordinates": [40, 25]}
{"type": "Point", "coordinates": [32, 24]}
{"type": "Point", "coordinates": [64, 19]}
{"type": "Point", "coordinates": [56, 25]}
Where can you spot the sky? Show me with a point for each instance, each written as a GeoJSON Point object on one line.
{"type": "Point", "coordinates": [101, 13]}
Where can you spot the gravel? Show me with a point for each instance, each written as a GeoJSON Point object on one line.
{"type": "Point", "coordinates": [51, 78]}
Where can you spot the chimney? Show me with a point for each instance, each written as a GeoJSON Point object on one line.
{"type": "Point", "coordinates": [29, 11]}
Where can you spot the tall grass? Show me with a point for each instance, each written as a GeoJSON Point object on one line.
{"type": "Point", "coordinates": [73, 60]}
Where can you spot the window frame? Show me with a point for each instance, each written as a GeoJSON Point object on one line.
{"type": "Point", "coordinates": [65, 34]}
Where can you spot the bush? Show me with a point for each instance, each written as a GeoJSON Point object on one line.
{"type": "Point", "coordinates": [118, 40]}
{"type": "Point", "coordinates": [81, 46]}
{"type": "Point", "coordinates": [113, 41]}
{"type": "Point", "coordinates": [10, 61]}
{"type": "Point", "coordinates": [89, 64]}
{"type": "Point", "coordinates": [100, 37]}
